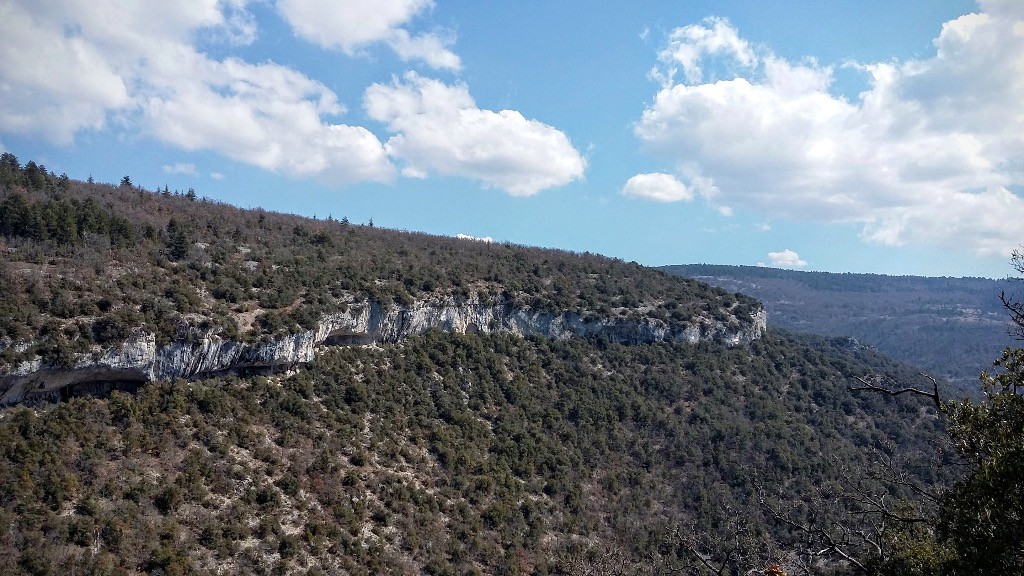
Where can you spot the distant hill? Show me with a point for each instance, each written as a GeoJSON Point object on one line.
{"type": "Point", "coordinates": [954, 327]}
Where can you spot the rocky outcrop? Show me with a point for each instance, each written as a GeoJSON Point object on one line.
{"type": "Point", "coordinates": [141, 359]}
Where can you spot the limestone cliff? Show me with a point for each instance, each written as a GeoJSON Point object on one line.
{"type": "Point", "coordinates": [140, 359]}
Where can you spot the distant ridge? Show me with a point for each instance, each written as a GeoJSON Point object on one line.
{"type": "Point", "coordinates": [954, 327]}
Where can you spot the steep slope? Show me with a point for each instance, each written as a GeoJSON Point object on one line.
{"type": "Point", "coordinates": [954, 327]}
{"type": "Point", "coordinates": [313, 397]}
{"type": "Point", "coordinates": [367, 322]}
{"type": "Point", "coordinates": [105, 283]}
{"type": "Point", "coordinates": [450, 453]}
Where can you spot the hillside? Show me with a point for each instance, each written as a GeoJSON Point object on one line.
{"type": "Point", "coordinates": [200, 389]}
{"type": "Point", "coordinates": [953, 327]}
{"type": "Point", "coordinates": [88, 267]}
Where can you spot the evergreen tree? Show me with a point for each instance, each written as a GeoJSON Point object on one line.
{"type": "Point", "coordinates": [977, 527]}
{"type": "Point", "coordinates": [981, 517]}
{"type": "Point", "coordinates": [10, 169]}
{"type": "Point", "coordinates": [178, 240]}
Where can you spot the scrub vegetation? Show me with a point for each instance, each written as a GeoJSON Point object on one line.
{"type": "Point", "coordinates": [457, 453]}
{"type": "Point", "coordinates": [86, 263]}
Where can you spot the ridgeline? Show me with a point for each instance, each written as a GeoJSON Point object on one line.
{"type": "Point", "coordinates": [511, 410]}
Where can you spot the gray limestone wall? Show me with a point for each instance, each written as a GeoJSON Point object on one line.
{"type": "Point", "coordinates": [141, 359]}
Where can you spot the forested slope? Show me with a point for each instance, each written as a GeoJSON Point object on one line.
{"type": "Point", "coordinates": [442, 453]}
{"type": "Point", "coordinates": [457, 454]}
{"type": "Point", "coordinates": [84, 265]}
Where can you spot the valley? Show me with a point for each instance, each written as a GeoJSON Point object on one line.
{"type": "Point", "coordinates": [194, 388]}
{"type": "Point", "coordinates": [953, 327]}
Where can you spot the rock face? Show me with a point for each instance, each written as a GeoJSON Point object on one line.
{"type": "Point", "coordinates": [140, 359]}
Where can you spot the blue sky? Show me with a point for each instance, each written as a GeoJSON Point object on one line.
{"type": "Point", "coordinates": [860, 136]}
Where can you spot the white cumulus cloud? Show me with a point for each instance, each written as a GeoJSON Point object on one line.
{"type": "Point", "coordinates": [929, 153]}
{"type": "Point", "coordinates": [658, 187]}
{"type": "Point", "coordinates": [71, 65]}
{"type": "Point", "coordinates": [690, 45]}
{"type": "Point", "coordinates": [349, 25]}
{"type": "Point", "coordinates": [55, 84]}
{"type": "Point", "coordinates": [439, 129]}
{"type": "Point", "coordinates": [263, 114]}
{"type": "Point", "coordinates": [785, 259]}
{"type": "Point", "coordinates": [186, 168]}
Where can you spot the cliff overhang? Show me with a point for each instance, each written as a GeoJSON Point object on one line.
{"type": "Point", "coordinates": [140, 359]}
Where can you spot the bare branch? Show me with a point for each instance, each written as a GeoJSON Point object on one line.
{"type": "Point", "coordinates": [833, 544]}
{"type": "Point", "coordinates": [891, 472]}
{"type": "Point", "coordinates": [1013, 306]}
{"type": "Point", "coordinates": [1016, 310]}
{"type": "Point", "coordinates": [875, 387]}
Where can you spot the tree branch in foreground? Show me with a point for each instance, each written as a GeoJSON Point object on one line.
{"type": "Point", "coordinates": [875, 385]}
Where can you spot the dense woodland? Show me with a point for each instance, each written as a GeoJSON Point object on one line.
{"type": "Point", "coordinates": [458, 454]}
{"type": "Point", "coordinates": [951, 326]}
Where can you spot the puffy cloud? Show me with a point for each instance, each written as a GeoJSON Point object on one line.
{"type": "Point", "coordinates": [181, 168]}
{"type": "Point", "coordinates": [785, 259]}
{"type": "Point", "coordinates": [658, 187]}
{"type": "Point", "coordinates": [439, 129]}
{"type": "Point", "coordinates": [347, 24]}
{"type": "Point", "coordinates": [240, 26]}
{"type": "Point", "coordinates": [430, 48]}
{"type": "Point", "coordinates": [927, 154]}
{"type": "Point", "coordinates": [266, 115]}
{"type": "Point", "coordinates": [69, 65]}
{"type": "Point", "coordinates": [352, 24]}
{"type": "Point", "coordinates": [72, 65]}
{"type": "Point", "coordinates": [53, 83]}
{"type": "Point", "coordinates": [690, 45]}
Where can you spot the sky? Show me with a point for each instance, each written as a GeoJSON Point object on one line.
{"type": "Point", "coordinates": [881, 136]}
